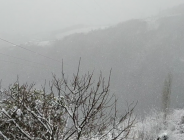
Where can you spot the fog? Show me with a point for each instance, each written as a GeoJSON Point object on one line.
{"type": "Point", "coordinates": [63, 63]}
{"type": "Point", "coordinates": [24, 17]}
{"type": "Point", "coordinates": [140, 42]}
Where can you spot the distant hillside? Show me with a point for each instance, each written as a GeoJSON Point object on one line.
{"type": "Point", "coordinates": [140, 52]}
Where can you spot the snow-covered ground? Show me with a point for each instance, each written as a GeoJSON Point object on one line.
{"type": "Point", "coordinates": [153, 128]}
{"type": "Point", "coordinates": [81, 30]}
{"type": "Point", "coordinates": [59, 36]}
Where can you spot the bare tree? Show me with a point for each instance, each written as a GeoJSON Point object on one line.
{"type": "Point", "coordinates": [81, 108]}
{"type": "Point", "coordinates": [91, 109]}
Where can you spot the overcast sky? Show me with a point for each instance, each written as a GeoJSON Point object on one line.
{"type": "Point", "coordinates": [29, 16]}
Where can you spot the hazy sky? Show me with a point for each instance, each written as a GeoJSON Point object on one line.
{"type": "Point", "coordinates": [29, 16]}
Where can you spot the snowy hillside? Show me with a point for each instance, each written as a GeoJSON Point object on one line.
{"type": "Point", "coordinates": [48, 38]}
{"type": "Point", "coordinates": [82, 30]}
{"type": "Point", "coordinates": [152, 127]}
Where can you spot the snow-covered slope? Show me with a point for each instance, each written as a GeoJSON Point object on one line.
{"type": "Point", "coordinates": [82, 30]}
{"type": "Point", "coordinates": [153, 128]}
{"type": "Point", "coordinates": [48, 38]}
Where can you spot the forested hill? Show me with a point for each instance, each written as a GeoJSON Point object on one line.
{"type": "Point", "coordinates": [141, 52]}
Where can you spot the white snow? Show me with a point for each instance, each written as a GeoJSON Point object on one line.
{"type": "Point", "coordinates": [19, 112]}
{"type": "Point", "coordinates": [152, 23]}
{"type": "Point", "coordinates": [82, 30]}
{"type": "Point", "coordinates": [43, 43]}
{"type": "Point", "coordinates": [152, 126]}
